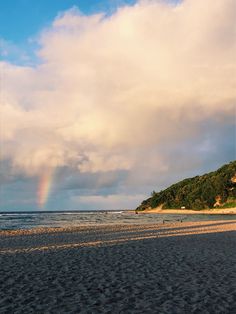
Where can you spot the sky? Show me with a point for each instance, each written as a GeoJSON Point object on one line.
{"type": "Point", "coordinates": [102, 102]}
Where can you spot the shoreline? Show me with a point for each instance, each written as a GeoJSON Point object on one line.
{"type": "Point", "coordinates": [48, 232]}
{"type": "Point", "coordinates": [221, 211]}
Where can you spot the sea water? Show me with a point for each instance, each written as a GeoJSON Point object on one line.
{"type": "Point", "coordinates": [29, 220]}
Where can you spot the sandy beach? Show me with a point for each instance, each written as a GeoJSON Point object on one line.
{"type": "Point", "coordinates": [174, 267]}
{"type": "Point", "coordinates": [213, 211]}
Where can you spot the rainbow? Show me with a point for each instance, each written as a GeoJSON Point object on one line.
{"type": "Point", "coordinates": [44, 187]}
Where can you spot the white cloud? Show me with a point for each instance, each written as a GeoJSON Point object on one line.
{"type": "Point", "coordinates": [110, 89]}
{"type": "Point", "coordinates": [113, 201]}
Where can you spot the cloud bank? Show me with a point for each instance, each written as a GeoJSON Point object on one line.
{"type": "Point", "coordinates": [148, 90]}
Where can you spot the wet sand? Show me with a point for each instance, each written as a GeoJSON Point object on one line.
{"type": "Point", "coordinates": [156, 268]}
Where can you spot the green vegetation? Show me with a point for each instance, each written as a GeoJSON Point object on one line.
{"type": "Point", "coordinates": [215, 189]}
{"type": "Point", "coordinates": [231, 202]}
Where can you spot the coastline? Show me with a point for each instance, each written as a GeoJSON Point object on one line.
{"type": "Point", "coordinates": [215, 211]}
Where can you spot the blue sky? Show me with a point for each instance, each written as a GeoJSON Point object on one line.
{"type": "Point", "coordinates": [20, 19]}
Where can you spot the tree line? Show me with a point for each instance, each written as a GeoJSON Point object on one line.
{"type": "Point", "coordinates": [213, 189]}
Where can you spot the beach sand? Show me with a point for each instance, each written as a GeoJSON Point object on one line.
{"type": "Point", "coordinates": [213, 211]}
{"type": "Point", "coordinates": [156, 268]}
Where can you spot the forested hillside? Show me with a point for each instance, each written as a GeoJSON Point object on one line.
{"type": "Point", "coordinates": [214, 189]}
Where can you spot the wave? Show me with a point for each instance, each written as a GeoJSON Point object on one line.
{"type": "Point", "coordinates": [115, 212]}
{"type": "Point", "coordinates": [20, 214]}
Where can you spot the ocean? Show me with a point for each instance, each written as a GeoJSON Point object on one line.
{"type": "Point", "coordinates": [29, 220]}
